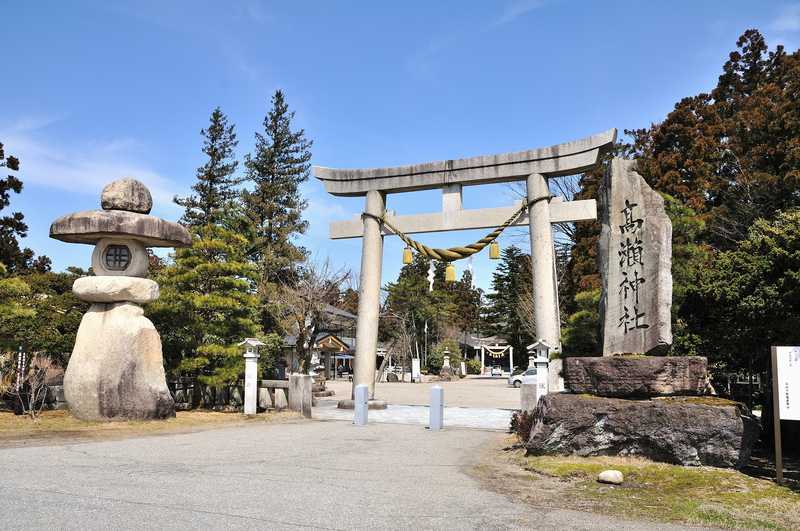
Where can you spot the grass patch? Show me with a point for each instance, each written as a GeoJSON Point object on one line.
{"type": "Point", "coordinates": [57, 426]}
{"type": "Point", "coordinates": [691, 495]}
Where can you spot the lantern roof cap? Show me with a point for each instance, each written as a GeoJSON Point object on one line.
{"type": "Point", "coordinates": [252, 342]}
{"type": "Point", "coordinates": [539, 343]}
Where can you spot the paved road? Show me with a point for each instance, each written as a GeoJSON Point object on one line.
{"type": "Point", "coordinates": [473, 391]}
{"type": "Point", "coordinates": [310, 474]}
{"type": "Point", "coordinates": [454, 417]}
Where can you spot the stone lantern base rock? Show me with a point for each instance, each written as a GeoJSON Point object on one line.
{"type": "Point", "coordinates": [116, 371]}
{"type": "Point", "coordinates": [679, 430]}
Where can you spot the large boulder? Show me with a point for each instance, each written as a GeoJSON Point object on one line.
{"type": "Point", "coordinates": [686, 431]}
{"type": "Point", "coordinates": [636, 377]}
{"type": "Point", "coordinates": [116, 370]}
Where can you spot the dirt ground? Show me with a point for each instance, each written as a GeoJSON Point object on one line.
{"type": "Point", "coordinates": [60, 427]}
{"type": "Point", "coordinates": [694, 496]}
{"type": "Point", "coordinates": [472, 391]}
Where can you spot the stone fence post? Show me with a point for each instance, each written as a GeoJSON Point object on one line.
{"type": "Point", "coordinates": [300, 393]}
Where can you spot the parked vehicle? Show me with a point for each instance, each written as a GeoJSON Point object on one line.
{"type": "Point", "coordinates": [497, 371]}
{"type": "Point", "coordinates": [529, 376]}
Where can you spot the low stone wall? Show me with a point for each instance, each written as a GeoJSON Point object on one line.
{"type": "Point", "coordinates": [272, 394]}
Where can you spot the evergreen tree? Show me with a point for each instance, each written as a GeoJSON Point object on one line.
{"type": "Point", "coordinates": [207, 306]}
{"type": "Point", "coordinates": [12, 227]}
{"type": "Point", "coordinates": [511, 279]}
{"type": "Point", "coordinates": [215, 186]}
{"type": "Point", "coordinates": [273, 210]}
{"type": "Point", "coordinates": [45, 314]}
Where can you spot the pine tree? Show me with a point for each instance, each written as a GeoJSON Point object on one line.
{"type": "Point", "coordinates": [273, 210]}
{"type": "Point", "coordinates": [12, 227]}
{"type": "Point", "coordinates": [215, 186]}
{"type": "Point", "coordinates": [207, 306]}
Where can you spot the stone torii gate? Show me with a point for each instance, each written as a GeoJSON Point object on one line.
{"type": "Point", "coordinates": [534, 166]}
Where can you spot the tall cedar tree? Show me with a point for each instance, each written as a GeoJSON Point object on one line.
{"type": "Point", "coordinates": [274, 208]}
{"type": "Point", "coordinates": [12, 227]}
{"type": "Point", "coordinates": [732, 155]}
{"type": "Point", "coordinates": [207, 306]}
{"type": "Point", "coordinates": [510, 280]}
{"type": "Point", "coordinates": [215, 186]}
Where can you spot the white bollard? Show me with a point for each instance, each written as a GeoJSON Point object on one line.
{"type": "Point", "coordinates": [437, 408]}
{"type": "Point", "coordinates": [360, 405]}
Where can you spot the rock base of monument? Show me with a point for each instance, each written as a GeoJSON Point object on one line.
{"type": "Point", "coordinates": [636, 376]}
{"type": "Point", "coordinates": [680, 430]}
{"type": "Point", "coordinates": [116, 371]}
{"type": "Point", "coordinates": [448, 374]}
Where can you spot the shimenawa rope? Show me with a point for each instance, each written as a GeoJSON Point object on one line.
{"type": "Point", "coordinates": [456, 253]}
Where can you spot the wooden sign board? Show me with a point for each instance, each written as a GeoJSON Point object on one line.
{"type": "Point", "coordinates": [788, 379]}
{"type": "Point", "coordinates": [785, 396]}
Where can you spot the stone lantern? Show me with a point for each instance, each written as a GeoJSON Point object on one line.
{"type": "Point", "coordinates": [116, 370]}
{"type": "Point", "coordinates": [251, 356]}
{"type": "Point", "coordinates": [539, 356]}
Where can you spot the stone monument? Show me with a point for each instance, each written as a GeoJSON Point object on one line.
{"type": "Point", "coordinates": [627, 402]}
{"type": "Point", "coordinates": [635, 249]}
{"type": "Point", "coordinates": [116, 370]}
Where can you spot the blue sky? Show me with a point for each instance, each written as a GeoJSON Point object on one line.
{"type": "Point", "coordinates": [94, 91]}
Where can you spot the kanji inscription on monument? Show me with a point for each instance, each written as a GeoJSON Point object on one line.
{"type": "Point", "coordinates": [635, 260]}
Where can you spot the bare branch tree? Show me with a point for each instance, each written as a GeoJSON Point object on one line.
{"type": "Point", "coordinates": [26, 380]}
{"type": "Point", "coordinates": [305, 304]}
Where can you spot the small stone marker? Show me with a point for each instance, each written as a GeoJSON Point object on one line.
{"type": "Point", "coordinates": [437, 408]}
{"type": "Point", "coordinates": [528, 396]}
{"type": "Point", "coordinates": [635, 250]}
{"type": "Point", "coordinates": [360, 404]}
{"type": "Point", "coordinates": [613, 477]}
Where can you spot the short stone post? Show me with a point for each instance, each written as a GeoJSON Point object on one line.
{"type": "Point", "coordinates": [360, 404]}
{"type": "Point", "coordinates": [251, 356]}
{"type": "Point", "coordinates": [437, 408]}
{"type": "Point", "coordinates": [528, 396]}
{"type": "Point", "coordinates": [300, 394]}
{"type": "Point", "coordinates": [542, 378]}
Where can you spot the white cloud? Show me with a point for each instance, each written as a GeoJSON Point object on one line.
{"type": "Point", "coordinates": [419, 61]}
{"type": "Point", "coordinates": [516, 9]}
{"type": "Point", "coordinates": [82, 168]}
{"type": "Point", "coordinates": [788, 20]}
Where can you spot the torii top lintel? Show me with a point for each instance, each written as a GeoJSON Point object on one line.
{"type": "Point", "coordinates": [568, 158]}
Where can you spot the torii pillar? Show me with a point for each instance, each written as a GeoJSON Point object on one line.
{"type": "Point", "coordinates": [369, 294]}
{"type": "Point", "coordinates": [543, 266]}
{"type": "Point", "coordinates": [534, 166]}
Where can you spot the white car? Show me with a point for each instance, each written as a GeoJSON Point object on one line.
{"type": "Point", "coordinates": [529, 376]}
{"type": "Point", "coordinates": [497, 371]}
